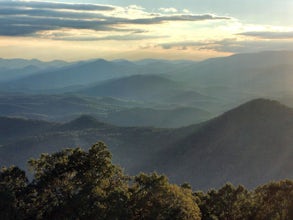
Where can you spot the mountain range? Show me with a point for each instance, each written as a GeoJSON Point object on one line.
{"type": "Point", "coordinates": [215, 85]}
{"type": "Point", "coordinates": [250, 144]}
{"type": "Point", "coordinates": [204, 122]}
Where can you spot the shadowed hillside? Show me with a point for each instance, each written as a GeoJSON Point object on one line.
{"type": "Point", "coordinates": [250, 144]}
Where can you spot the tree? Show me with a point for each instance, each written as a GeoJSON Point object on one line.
{"type": "Point", "coordinates": [153, 197]}
{"type": "Point", "coordinates": [275, 201]}
{"type": "Point", "coordinates": [77, 184]}
{"type": "Point", "coordinates": [13, 183]}
{"type": "Point", "coordinates": [227, 203]}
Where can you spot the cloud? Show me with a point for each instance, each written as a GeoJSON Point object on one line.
{"type": "Point", "coordinates": [127, 37]}
{"type": "Point", "coordinates": [231, 45]}
{"type": "Point", "coordinates": [26, 25]}
{"type": "Point", "coordinates": [249, 46]}
{"type": "Point", "coordinates": [55, 5]}
{"type": "Point", "coordinates": [162, 19]}
{"type": "Point", "coordinates": [30, 18]}
{"type": "Point", "coordinates": [168, 10]}
{"type": "Point", "coordinates": [43, 13]}
{"type": "Point", "coordinates": [269, 34]}
{"type": "Point", "coordinates": [184, 45]}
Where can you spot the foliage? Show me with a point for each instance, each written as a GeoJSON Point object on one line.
{"type": "Point", "coordinates": [275, 200]}
{"type": "Point", "coordinates": [153, 197]}
{"type": "Point", "coordinates": [78, 184]}
{"type": "Point", "coordinates": [13, 183]}
{"type": "Point", "coordinates": [227, 203]}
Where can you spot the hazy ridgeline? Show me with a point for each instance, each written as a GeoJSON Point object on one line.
{"type": "Point", "coordinates": [194, 100]}
{"type": "Point", "coordinates": [155, 93]}
{"type": "Point", "coordinates": [136, 106]}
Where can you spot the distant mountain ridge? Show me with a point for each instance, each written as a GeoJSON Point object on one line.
{"type": "Point", "coordinates": [148, 88]}
{"type": "Point", "coordinates": [89, 72]}
{"type": "Point", "coordinates": [61, 108]}
{"type": "Point", "coordinates": [249, 145]}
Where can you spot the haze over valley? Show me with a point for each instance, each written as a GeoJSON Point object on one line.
{"type": "Point", "coordinates": [149, 119]}
{"type": "Point", "coordinates": [146, 110]}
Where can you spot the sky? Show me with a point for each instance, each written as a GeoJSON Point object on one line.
{"type": "Point", "coordinates": [126, 29]}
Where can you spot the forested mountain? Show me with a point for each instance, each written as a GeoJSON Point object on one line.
{"type": "Point", "coordinates": [250, 144]}
{"type": "Point", "coordinates": [162, 118]}
{"type": "Point", "coordinates": [85, 73]}
{"type": "Point", "coordinates": [13, 69]}
{"type": "Point", "coordinates": [59, 107]}
{"type": "Point", "coordinates": [120, 112]}
{"type": "Point", "coordinates": [147, 88]}
{"type": "Point", "coordinates": [250, 75]}
{"type": "Point", "coordinates": [130, 146]}
{"type": "Point", "coordinates": [215, 85]}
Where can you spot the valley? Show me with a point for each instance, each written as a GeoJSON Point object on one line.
{"type": "Point", "coordinates": [206, 123]}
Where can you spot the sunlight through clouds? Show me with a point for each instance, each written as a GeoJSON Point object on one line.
{"type": "Point", "coordinates": [132, 28]}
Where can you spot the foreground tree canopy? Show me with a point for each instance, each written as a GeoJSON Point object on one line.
{"type": "Point", "coordinates": [78, 184]}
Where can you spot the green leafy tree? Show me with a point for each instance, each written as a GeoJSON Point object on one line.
{"type": "Point", "coordinates": [77, 184]}
{"type": "Point", "coordinates": [275, 201]}
{"type": "Point", "coordinates": [153, 197]}
{"type": "Point", "coordinates": [227, 203]}
{"type": "Point", "coordinates": [13, 183]}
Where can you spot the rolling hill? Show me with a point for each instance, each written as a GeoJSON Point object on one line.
{"type": "Point", "coordinates": [14, 69]}
{"type": "Point", "coordinates": [147, 88]}
{"type": "Point", "coordinates": [77, 74]}
{"type": "Point", "coordinates": [249, 145]}
{"type": "Point", "coordinates": [130, 146]}
{"type": "Point", "coordinates": [63, 108]}
{"type": "Point", "coordinates": [162, 118]}
{"type": "Point", "coordinates": [247, 74]}
{"type": "Point", "coordinates": [72, 76]}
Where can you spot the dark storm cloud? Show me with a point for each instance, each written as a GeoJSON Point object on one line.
{"type": "Point", "coordinates": [20, 18]}
{"type": "Point", "coordinates": [269, 34]}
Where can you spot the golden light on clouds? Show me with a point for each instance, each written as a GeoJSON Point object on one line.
{"type": "Point", "coordinates": [68, 31]}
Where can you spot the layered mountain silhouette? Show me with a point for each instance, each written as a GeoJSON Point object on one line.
{"type": "Point", "coordinates": [120, 112]}
{"type": "Point", "coordinates": [15, 69]}
{"type": "Point", "coordinates": [85, 73]}
{"type": "Point", "coordinates": [264, 73]}
{"type": "Point", "coordinates": [148, 88]}
{"type": "Point", "coordinates": [249, 145]}
{"type": "Point", "coordinates": [48, 106]}
{"type": "Point", "coordinates": [163, 118]}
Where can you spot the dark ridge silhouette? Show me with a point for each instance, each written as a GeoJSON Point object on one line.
{"type": "Point", "coordinates": [248, 145]}
{"type": "Point", "coordinates": [84, 122]}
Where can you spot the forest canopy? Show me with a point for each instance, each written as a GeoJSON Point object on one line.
{"type": "Point", "coordinates": [79, 184]}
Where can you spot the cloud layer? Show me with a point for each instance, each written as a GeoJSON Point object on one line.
{"type": "Point", "coordinates": [29, 18]}
{"type": "Point", "coordinates": [164, 32]}
{"type": "Point", "coordinates": [269, 34]}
